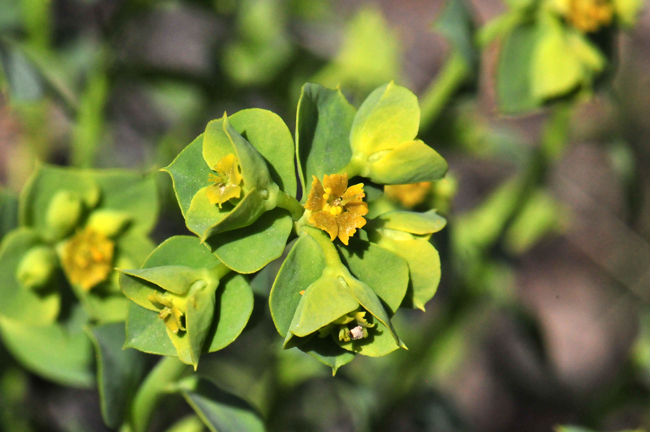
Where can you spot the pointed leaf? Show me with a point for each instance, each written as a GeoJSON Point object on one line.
{"type": "Point", "coordinates": [424, 269]}
{"type": "Point", "coordinates": [386, 273]}
{"type": "Point", "coordinates": [119, 372]}
{"type": "Point", "coordinates": [220, 411]}
{"type": "Point", "coordinates": [189, 173]}
{"type": "Point", "coordinates": [322, 132]}
{"type": "Point", "coordinates": [173, 278]}
{"type": "Point", "coordinates": [249, 249]}
{"type": "Point", "coordinates": [324, 301]}
{"type": "Point", "coordinates": [302, 267]}
{"type": "Point", "coordinates": [266, 131]}
{"type": "Point", "coordinates": [326, 351]}
{"type": "Point", "coordinates": [514, 71]}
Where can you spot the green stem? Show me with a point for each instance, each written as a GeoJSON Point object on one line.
{"type": "Point", "coordinates": [553, 143]}
{"type": "Point", "coordinates": [437, 95]}
{"type": "Point", "coordinates": [291, 204]}
{"type": "Point", "coordinates": [220, 270]}
{"type": "Point", "coordinates": [154, 387]}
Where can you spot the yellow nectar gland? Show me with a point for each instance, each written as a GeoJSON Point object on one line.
{"type": "Point", "coordinates": [336, 208]}
{"type": "Point", "coordinates": [226, 182]}
{"type": "Point", "coordinates": [88, 258]}
{"type": "Point", "coordinates": [590, 15]}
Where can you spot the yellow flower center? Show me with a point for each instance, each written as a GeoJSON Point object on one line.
{"type": "Point", "coordinates": [171, 314]}
{"type": "Point", "coordinates": [337, 208]}
{"type": "Point", "coordinates": [590, 15]}
{"type": "Point", "coordinates": [87, 258]}
{"type": "Point", "coordinates": [226, 181]}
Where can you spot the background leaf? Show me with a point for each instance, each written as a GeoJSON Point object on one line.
{"type": "Point", "coordinates": [220, 411]}
{"type": "Point", "coordinates": [119, 372]}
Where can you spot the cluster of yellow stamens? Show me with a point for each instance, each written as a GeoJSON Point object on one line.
{"type": "Point", "coordinates": [169, 312]}
{"type": "Point", "coordinates": [337, 208]}
{"type": "Point", "coordinates": [87, 258]}
{"type": "Point", "coordinates": [226, 182]}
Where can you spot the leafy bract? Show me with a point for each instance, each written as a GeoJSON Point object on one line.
{"type": "Point", "coordinates": [323, 123]}
{"type": "Point", "coordinates": [223, 316]}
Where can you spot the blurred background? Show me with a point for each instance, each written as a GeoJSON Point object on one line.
{"type": "Point", "coordinates": [542, 317]}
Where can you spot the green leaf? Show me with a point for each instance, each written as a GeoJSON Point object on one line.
{"type": "Point", "coordinates": [326, 351]}
{"type": "Point", "coordinates": [269, 135]}
{"type": "Point", "coordinates": [119, 372]}
{"type": "Point", "coordinates": [198, 320]}
{"type": "Point", "coordinates": [177, 251]}
{"type": "Point", "coordinates": [379, 342]}
{"type": "Point", "coordinates": [249, 249]}
{"type": "Point", "coordinates": [245, 213]}
{"type": "Point", "coordinates": [173, 278]}
{"type": "Point", "coordinates": [131, 192]}
{"type": "Point", "coordinates": [386, 273]}
{"type": "Point", "coordinates": [409, 162]}
{"type": "Point", "coordinates": [220, 411]}
{"type": "Point", "coordinates": [146, 332]}
{"type": "Point", "coordinates": [514, 71]}
{"type": "Point", "coordinates": [412, 222]}
{"type": "Point", "coordinates": [424, 269]}
{"type": "Point", "coordinates": [369, 301]}
{"type": "Point", "coordinates": [555, 68]}
{"type": "Point", "coordinates": [388, 117]}
{"type": "Point", "coordinates": [456, 23]}
{"type": "Point", "coordinates": [322, 132]}
{"type": "Point", "coordinates": [324, 301]}
{"type": "Point", "coordinates": [189, 173]}
{"type": "Point", "coordinates": [24, 81]}
{"type": "Point", "coordinates": [302, 267]}
{"type": "Point", "coordinates": [20, 303]}
{"type": "Point", "coordinates": [43, 186]}
{"type": "Point", "coordinates": [54, 352]}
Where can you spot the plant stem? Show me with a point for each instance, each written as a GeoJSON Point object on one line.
{"type": "Point", "coordinates": [291, 204]}
{"type": "Point", "coordinates": [454, 73]}
{"type": "Point", "coordinates": [154, 387]}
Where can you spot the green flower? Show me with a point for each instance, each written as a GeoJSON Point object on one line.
{"type": "Point", "coordinates": [184, 295]}
{"type": "Point", "coordinates": [234, 185]}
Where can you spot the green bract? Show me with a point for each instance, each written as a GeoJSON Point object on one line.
{"type": "Point", "coordinates": [382, 138]}
{"type": "Point", "coordinates": [317, 304]}
{"type": "Point", "coordinates": [407, 234]}
{"type": "Point", "coordinates": [263, 149]}
{"type": "Point", "coordinates": [183, 301]}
